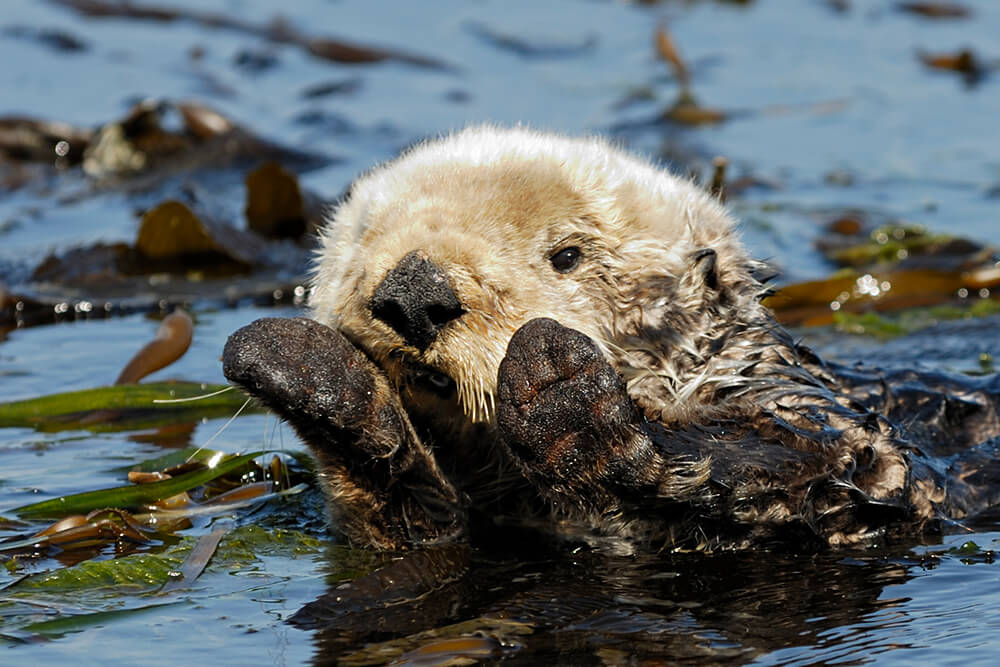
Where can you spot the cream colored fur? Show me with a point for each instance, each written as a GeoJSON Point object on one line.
{"type": "Point", "coordinates": [490, 206]}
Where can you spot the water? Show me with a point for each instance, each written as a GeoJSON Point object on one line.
{"type": "Point", "coordinates": [813, 93]}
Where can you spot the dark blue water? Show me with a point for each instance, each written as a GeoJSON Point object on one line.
{"type": "Point", "coordinates": [818, 98]}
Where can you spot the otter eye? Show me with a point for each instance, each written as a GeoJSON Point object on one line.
{"type": "Point", "coordinates": [439, 381]}
{"type": "Point", "coordinates": [566, 259]}
{"type": "Point", "coordinates": [436, 382]}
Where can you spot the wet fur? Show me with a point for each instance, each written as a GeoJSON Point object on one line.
{"type": "Point", "coordinates": [705, 425]}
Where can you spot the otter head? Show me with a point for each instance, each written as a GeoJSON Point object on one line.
{"type": "Point", "coordinates": [435, 259]}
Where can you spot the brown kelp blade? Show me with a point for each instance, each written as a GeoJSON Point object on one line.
{"type": "Point", "coordinates": [172, 340]}
{"type": "Point", "coordinates": [815, 302]}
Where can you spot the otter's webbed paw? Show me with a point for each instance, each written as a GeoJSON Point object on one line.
{"type": "Point", "coordinates": [384, 486]}
{"type": "Point", "coordinates": [565, 413]}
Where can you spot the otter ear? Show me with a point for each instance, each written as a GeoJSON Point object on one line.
{"type": "Point", "coordinates": [703, 267]}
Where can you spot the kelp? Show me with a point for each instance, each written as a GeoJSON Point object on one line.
{"type": "Point", "coordinates": [526, 47]}
{"type": "Point", "coordinates": [965, 62]}
{"type": "Point", "coordinates": [277, 207]}
{"type": "Point", "coordinates": [187, 239]}
{"type": "Point", "coordinates": [277, 31]}
{"type": "Point", "coordinates": [936, 10]}
{"type": "Point", "coordinates": [848, 244]}
{"type": "Point", "coordinates": [175, 232]}
{"type": "Point", "coordinates": [887, 326]}
{"type": "Point", "coordinates": [172, 340]}
{"type": "Point", "coordinates": [146, 517]}
{"type": "Point", "coordinates": [250, 542]}
{"type": "Point", "coordinates": [170, 461]}
{"type": "Point", "coordinates": [25, 139]}
{"type": "Point", "coordinates": [891, 266]}
{"type": "Point", "coordinates": [100, 592]}
{"type": "Point", "coordinates": [134, 495]}
{"type": "Point", "coordinates": [151, 571]}
{"type": "Point", "coordinates": [685, 110]}
{"type": "Point", "coordinates": [123, 407]}
{"type": "Point", "coordinates": [815, 302]}
{"type": "Point", "coordinates": [154, 139]}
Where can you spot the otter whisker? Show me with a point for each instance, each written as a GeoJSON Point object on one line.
{"type": "Point", "coordinates": [194, 398]}
{"type": "Point", "coordinates": [222, 428]}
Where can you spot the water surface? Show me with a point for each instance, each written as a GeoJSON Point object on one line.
{"type": "Point", "coordinates": [830, 111]}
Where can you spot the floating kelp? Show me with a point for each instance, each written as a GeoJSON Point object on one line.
{"type": "Point", "coordinates": [187, 238]}
{"type": "Point", "coordinates": [152, 496]}
{"type": "Point", "coordinates": [77, 532]}
{"type": "Point", "coordinates": [123, 407]}
{"type": "Point", "coordinates": [936, 10]}
{"type": "Point", "coordinates": [173, 232]}
{"type": "Point", "coordinates": [144, 140]}
{"type": "Point", "coordinates": [891, 325]}
{"type": "Point", "coordinates": [146, 517]}
{"type": "Point", "coordinates": [277, 207]}
{"type": "Point", "coordinates": [32, 140]}
{"type": "Point", "coordinates": [666, 50]}
{"type": "Point", "coordinates": [850, 240]}
{"type": "Point", "coordinates": [172, 340]}
{"type": "Point", "coordinates": [532, 48]}
{"type": "Point", "coordinates": [152, 571]}
{"type": "Point", "coordinates": [717, 185]}
{"type": "Point", "coordinates": [182, 247]}
{"type": "Point", "coordinates": [155, 137]}
{"type": "Point", "coordinates": [815, 302]}
{"type": "Point", "coordinates": [685, 110]}
{"type": "Point", "coordinates": [15, 308]}
{"type": "Point", "coordinates": [53, 38]}
{"type": "Point", "coordinates": [277, 31]}
{"type": "Point", "coordinates": [965, 62]}
{"type": "Point", "coordinates": [66, 302]}
{"type": "Point", "coordinates": [68, 596]}
{"type": "Point", "coordinates": [181, 256]}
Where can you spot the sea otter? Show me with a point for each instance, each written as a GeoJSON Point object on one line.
{"type": "Point", "coordinates": [510, 326]}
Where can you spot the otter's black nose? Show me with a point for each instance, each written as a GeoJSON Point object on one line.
{"type": "Point", "coordinates": [416, 300]}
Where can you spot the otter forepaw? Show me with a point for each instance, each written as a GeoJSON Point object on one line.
{"type": "Point", "coordinates": [385, 487]}
{"type": "Point", "coordinates": [562, 409]}
{"type": "Point", "coordinates": [305, 371]}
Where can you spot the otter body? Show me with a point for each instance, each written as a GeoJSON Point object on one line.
{"type": "Point", "coordinates": [512, 326]}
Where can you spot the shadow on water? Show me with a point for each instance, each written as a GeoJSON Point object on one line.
{"type": "Point", "coordinates": [533, 608]}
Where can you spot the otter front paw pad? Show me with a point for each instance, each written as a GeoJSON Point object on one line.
{"type": "Point", "coordinates": [561, 408]}
{"type": "Point", "coordinates": [307, 372]}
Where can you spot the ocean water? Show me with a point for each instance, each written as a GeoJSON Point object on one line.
{"type": "Point", "coordinates": [829, 110]}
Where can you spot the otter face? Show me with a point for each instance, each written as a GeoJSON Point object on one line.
{"type": "Point", "coordinates": [437, 258]}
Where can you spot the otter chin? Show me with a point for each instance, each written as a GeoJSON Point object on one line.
{"type": "Point", "coordinates": [511, 326]}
